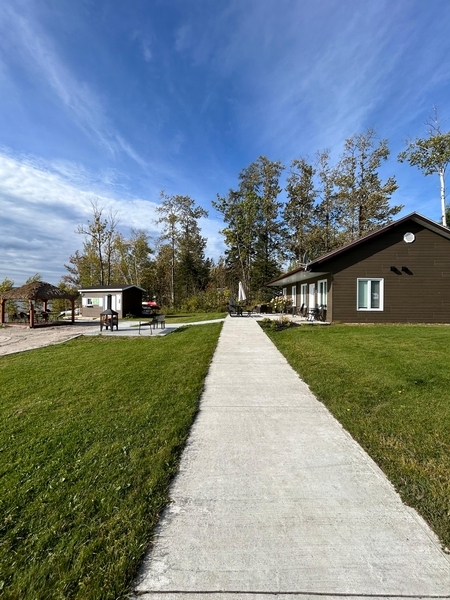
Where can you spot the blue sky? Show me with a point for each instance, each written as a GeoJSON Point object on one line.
{"type": "Point", "coordinates": [116, 101]}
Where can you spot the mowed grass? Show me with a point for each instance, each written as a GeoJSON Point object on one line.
{"type": "Point", "coordinates": [90, 435]}
{"type": "Point", "coordinates": [186, 317]}
{"type": "Point", "coordinates": [389, 386]}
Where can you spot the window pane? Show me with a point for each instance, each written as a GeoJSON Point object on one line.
{"type": "Point", "coordinates": [323, 293]}
{"type": "Point", "coordinates": [363, 296]}
{"type": "Point", "coordinates": [375, 294]}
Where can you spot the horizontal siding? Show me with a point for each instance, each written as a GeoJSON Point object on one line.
{"type": "Point", "coordinates": [420, 297]}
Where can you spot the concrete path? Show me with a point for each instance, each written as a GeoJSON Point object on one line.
{"type": "Point", "coordinates": [275, 500]}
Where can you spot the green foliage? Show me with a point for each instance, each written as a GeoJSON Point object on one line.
{"type": "Point", "coordinates": [88, 449]}
{"type": "Point", "coordinates": [34, 278]}
{"type": "Point", "coordinates": [391, 398]}
{"type": "Point", "coordinates": [431, 155]}
{"type": "Point", "coordinates": [178, 316]}
{"type": "Point", "coordinates": [298, 210]}
{"type": "Point", "coordinates": [276, 324]}
{"type": "Point", "coordinates": [10, 305]}
{"type": "Point", "coordinates": [362, 196]}
{"type": "Point", "coordinates": [132, 260]}
{"type": "Point", "coordinates": [98, 247]}
{"type": "Point", "coordinates": [211, 299]}
{"type": "Point", "coordinates": [328, 206]}
{"type": "Point", "coordinates": [184, 266]}
{"type": "Point", "coordinates": [253, 231]}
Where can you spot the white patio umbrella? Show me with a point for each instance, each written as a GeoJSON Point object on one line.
{"type": "Point", "coordinates": [241, 294]}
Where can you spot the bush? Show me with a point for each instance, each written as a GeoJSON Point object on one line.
{"type": "Point", "coordinates": [277, 324]}
{"type": "Point", "coordinates": [210, 300]}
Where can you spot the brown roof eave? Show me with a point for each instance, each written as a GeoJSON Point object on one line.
{"type": "Point", "coordinates": [416, 217]}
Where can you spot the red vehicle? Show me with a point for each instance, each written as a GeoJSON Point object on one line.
{"type": "Point", "coordinates": [149, 307]}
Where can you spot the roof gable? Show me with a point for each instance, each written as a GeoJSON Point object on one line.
{"type": "Point", "coordinates": [415, 217]}
{"type": "Point", "coordinates": [316, 267]}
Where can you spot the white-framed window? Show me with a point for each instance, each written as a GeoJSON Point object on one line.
{"type": "Point", "coordinates": [303, 294]}
{"type": "Point", "coordinates": [284, 292]}
{"type": "Point", "coordinates": [294, 295]}
{"type": "Point", "coordinates": [322, 292]}
{"type": "Point", "coordinates": [370, 294]}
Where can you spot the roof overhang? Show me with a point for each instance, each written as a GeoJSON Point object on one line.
{"type": "Point", "coordinates": [299, 276]}
{"type": "Point", "coordinates": [415, 217]}
{"type": "Point", "coordinates": [106, 290]}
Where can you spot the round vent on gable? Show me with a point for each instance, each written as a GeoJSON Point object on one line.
{"type": "Point", "coordinates": [409, 237]}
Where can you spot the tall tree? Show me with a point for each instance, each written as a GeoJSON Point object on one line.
{"type": "Point", "coordinates": [179, 216]}
{"type": "Point", "coordinates": [431, 155]}
{"type": "Point", "coordinates": [261, 179]}
{"type": "Point", "coordinates": [133, 258]}
{"type": "Point", "coordinates": [240, 214]}
{"type": "Point", "coordinates": [299, 209]}
{"type": "Point", "coordinates": [324, 235]}
{"type": "Point", "coordinates": [82, 271]}
{"type": "Point", "coordinates": [99, 242]}
{"type": "Point", "coordinates": [253, 231]}
{"type": "Point", "coordinates": [363, 197]}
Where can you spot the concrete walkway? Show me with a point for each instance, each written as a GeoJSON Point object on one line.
{"type": "Point", "coordinates": [275, 500]}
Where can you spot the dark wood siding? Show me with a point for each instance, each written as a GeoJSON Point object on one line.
{"type": "Point", "coordinates": [132, 302]}
{"type": "Point", "coordinates": [418, 294]}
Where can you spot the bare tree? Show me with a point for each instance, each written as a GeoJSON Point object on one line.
{"type": "Point", "coordinates": [99, 243]}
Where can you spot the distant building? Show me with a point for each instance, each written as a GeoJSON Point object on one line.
{"type": "Point", "coordinates": [125, 299]}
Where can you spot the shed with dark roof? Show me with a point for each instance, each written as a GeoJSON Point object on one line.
{"type": "Point", "coordinates": [125, 299]}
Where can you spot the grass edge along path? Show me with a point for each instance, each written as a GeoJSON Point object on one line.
{"type": "Point", "coordinates": [389, 386]}
{"type": "Point", "coordinates": [91, 432]}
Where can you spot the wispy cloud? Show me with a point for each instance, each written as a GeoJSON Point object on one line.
{"type": "Point", "coordinates": [22, 36]}
{"type": "Point", "coordinates": [145, 44]}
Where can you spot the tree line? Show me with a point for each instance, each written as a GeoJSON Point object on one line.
{"type": "Point", "coordinates": [327, 204]}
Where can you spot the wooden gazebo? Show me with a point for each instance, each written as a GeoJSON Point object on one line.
{"type": "Point", "coordinates": [36, 291]}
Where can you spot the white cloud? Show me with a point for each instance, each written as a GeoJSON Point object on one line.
{"type": "Point", "coordinates": [42, 205]}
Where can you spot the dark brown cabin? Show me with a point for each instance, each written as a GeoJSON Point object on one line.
{"type": "Point", "coordinates": [398, 274]}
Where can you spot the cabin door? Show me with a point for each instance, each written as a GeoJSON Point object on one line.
{"type": "Point", "coordinates": [312, 296]}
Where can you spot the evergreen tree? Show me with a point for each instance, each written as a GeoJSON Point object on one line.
{"type": "Point", "coordinates": [325, 235]}
{"type": "Point", "coordinates": [253, 231]}
{"type": "Point", "coordinates": [188, 267]}
{"type": "Point", "coordinates": [363, 197]}
{"type": "Point", "coordinates": [240, 214]}
{"type": "Point", "coordinates": [299, 210]}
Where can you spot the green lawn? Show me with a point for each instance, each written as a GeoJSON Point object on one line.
{"type": "Point", "coordinates": [90, 435]}
{"type": "Point", "coordinates": [185, 317]}
{"type": "Point", "coordinates": [389, 386]}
